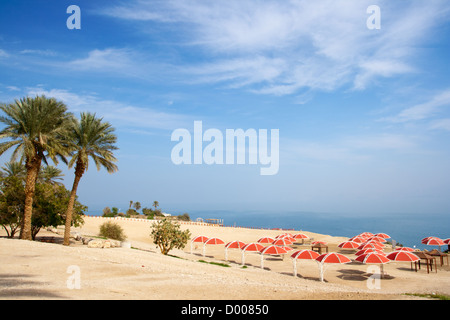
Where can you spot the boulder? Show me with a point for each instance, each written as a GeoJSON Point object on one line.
{"type": "Point", "coordinates": [95, 244]}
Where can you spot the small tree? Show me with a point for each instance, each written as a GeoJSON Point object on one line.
{"type": "Point", "coordinates": [112, 230]}
{"type": "Point", "coordinates": [168, 235]}
{"type": "Point", "coordinates": [137, 205]}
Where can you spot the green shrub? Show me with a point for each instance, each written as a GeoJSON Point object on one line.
{"type": "Point", "coordinates": [168, 235]}
{"type": "Point", "coordinates": [112, 230]}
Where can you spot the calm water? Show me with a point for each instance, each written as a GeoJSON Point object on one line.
{"type": "Point", "coordinates": [406, 229]}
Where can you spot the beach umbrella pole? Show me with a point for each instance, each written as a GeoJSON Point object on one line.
{"type": "Point", "coordinates": [295, 267]}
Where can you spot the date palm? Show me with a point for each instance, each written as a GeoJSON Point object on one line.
{"type": "Point", "coordinates": [93, 138]}
{"type": "Point", "coordinates": [37, 128]}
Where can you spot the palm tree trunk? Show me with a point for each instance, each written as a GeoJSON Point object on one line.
{"type": "Point", "coordinates": [33, 167]}
{"type": "Point", "coordinates": [79, 170]}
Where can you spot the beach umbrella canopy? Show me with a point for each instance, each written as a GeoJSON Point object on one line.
{"type": "Point", "coordinates": [366, 234]}
{"type": "Point", "coordinates": [404, 249]}
{"type": "Point", "coordinates": [372, 244]}
{"type": "Point", "coordinates": [212, 241]}
{"type": "Point", "coordinates": [402, 256]}
{"type": "Point", "coordinates": [300, 236]}
{"type": "Point", "coordinates": [233, 245]}
{"type": "Point", "coordinates": [281, 242]}
{"type": "Point", "coordinates": [374, 258]}
{"type": "Point", "coordinates": [331, 257]}
{"type": "Point", "coordinates": [368, 250]}
{"type": "Point", "coordinates": [266, 240]}
{"type": "Point", "coordinates": [251, 247]}
{"type": "Point", "coordinates": [433, 241]}
{"type": "Point", "coordinates": [348, 245]}
{"type": "Point", "coordinates": [383, 235]}
{"type": "Point", "coordinates": [201, 239]}
{"type": "Point", "coordinates": [376, 238]}
{"type": "Point", "coordinates": [447, 241]}
{"type": "Point", "coordinates": [302, 255]}
{"type": "Point", "coordinates": [358, 239]}
{"type": "Point", "coordinates": [271, 250]}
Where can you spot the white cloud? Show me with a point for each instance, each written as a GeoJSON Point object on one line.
{"type": "Point", "coordinates": [442, 124]}
{"type": "Point", "coordinates": [280, 48]}
{"type": "Point", "coordinates": [119, 113]}
{"type": "Point", "coordinates": [422, 111]}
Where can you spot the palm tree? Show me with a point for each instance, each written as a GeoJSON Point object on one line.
{"type": "Point", "coordinates": [38, 130]}
{"type": "Point", "coordinates": [95, 139]}
{"type": "Point", "coordinates": [155, 204]}
{"type": "Point", "coordinates": [49, 174]}
{"type": "Point", "coordinates": [137, 205]}
{"type": "Point", "coordinates": [14, 169]}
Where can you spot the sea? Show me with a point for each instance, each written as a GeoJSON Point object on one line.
{"type": "Point", "coordinates": [404, 229]}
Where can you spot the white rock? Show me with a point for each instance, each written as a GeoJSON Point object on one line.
{"type": "Point", "coordinates": [95, 244]}
{"type": "Point", "coordinates": [125, 244]}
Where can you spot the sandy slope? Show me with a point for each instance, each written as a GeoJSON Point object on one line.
{"type": "Point", "coordinates": [40, 270]}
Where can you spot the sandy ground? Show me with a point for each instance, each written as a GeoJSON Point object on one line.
{"type": "Point", "coordinates": [38, 270]}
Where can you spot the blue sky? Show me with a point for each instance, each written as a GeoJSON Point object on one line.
{"type": "Point", "coordinates": [363, 114]}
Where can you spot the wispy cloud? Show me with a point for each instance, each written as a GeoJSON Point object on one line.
{"type": "Point", "coordinates": [121, 114]}
{"type": "Point", "coordinates": [422, 111]}
{"type": "Point", "coordinates": [280, 48]}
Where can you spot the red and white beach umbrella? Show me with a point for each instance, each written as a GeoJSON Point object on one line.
{"type": "Point", "coordinates": [318, 242]}
{"type": "Point", "coordinates": [446, 241]}
{"type": "Point", "coordinates": [374, 258]}
{"type": "Point", "coordinates": [200, 239]}
{"type": "Point", "coordinates": [271, 250]}
{"type": "Point", "coordinates": [368, 250]}
{"type": "Point", "coordinates": [281, 242]}
{"type": "Point", "coordinates": [366, 234]}
{"type": "Point", "coordinates": [433, 241]}
{"type": "Point", "coordinates": [302, 255]}
{"type": "Point", "coordinates": [233, 245]}
{"type": "Point", "coordinates": [328, 258]}
{"type": "Point", "coordinates": [376, 238]}
{"type": "Point", "coordinates": [300, 236]}
{"type": "Point", "coordinates": [404, 249]}
{"type": "Point", "coordinates": [348, 245]}
{"type": "Point", "coordinates": [402, 256]}
{"type": "Point", "coordinates": [358, 239]}
{"type": "Point", "coordinates": [251, 247]}
{"type": "Point", "coordinates": [266, 240]}
{"type": "Point", "coordinates": [383, 235]}
{"type": "Point", "coordinates": [372, 244]}
{"type": "Point", "coordinates": [212, 241]}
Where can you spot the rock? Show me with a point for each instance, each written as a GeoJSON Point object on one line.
{"type": "Point", "coordinates": [115, 243]}
{"type": "Point", "coordinates": [95, 244]}
{"type": "Point", "coordinates": [106, 244]}
{"type": "Point", "coordinates": [125, 244]}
